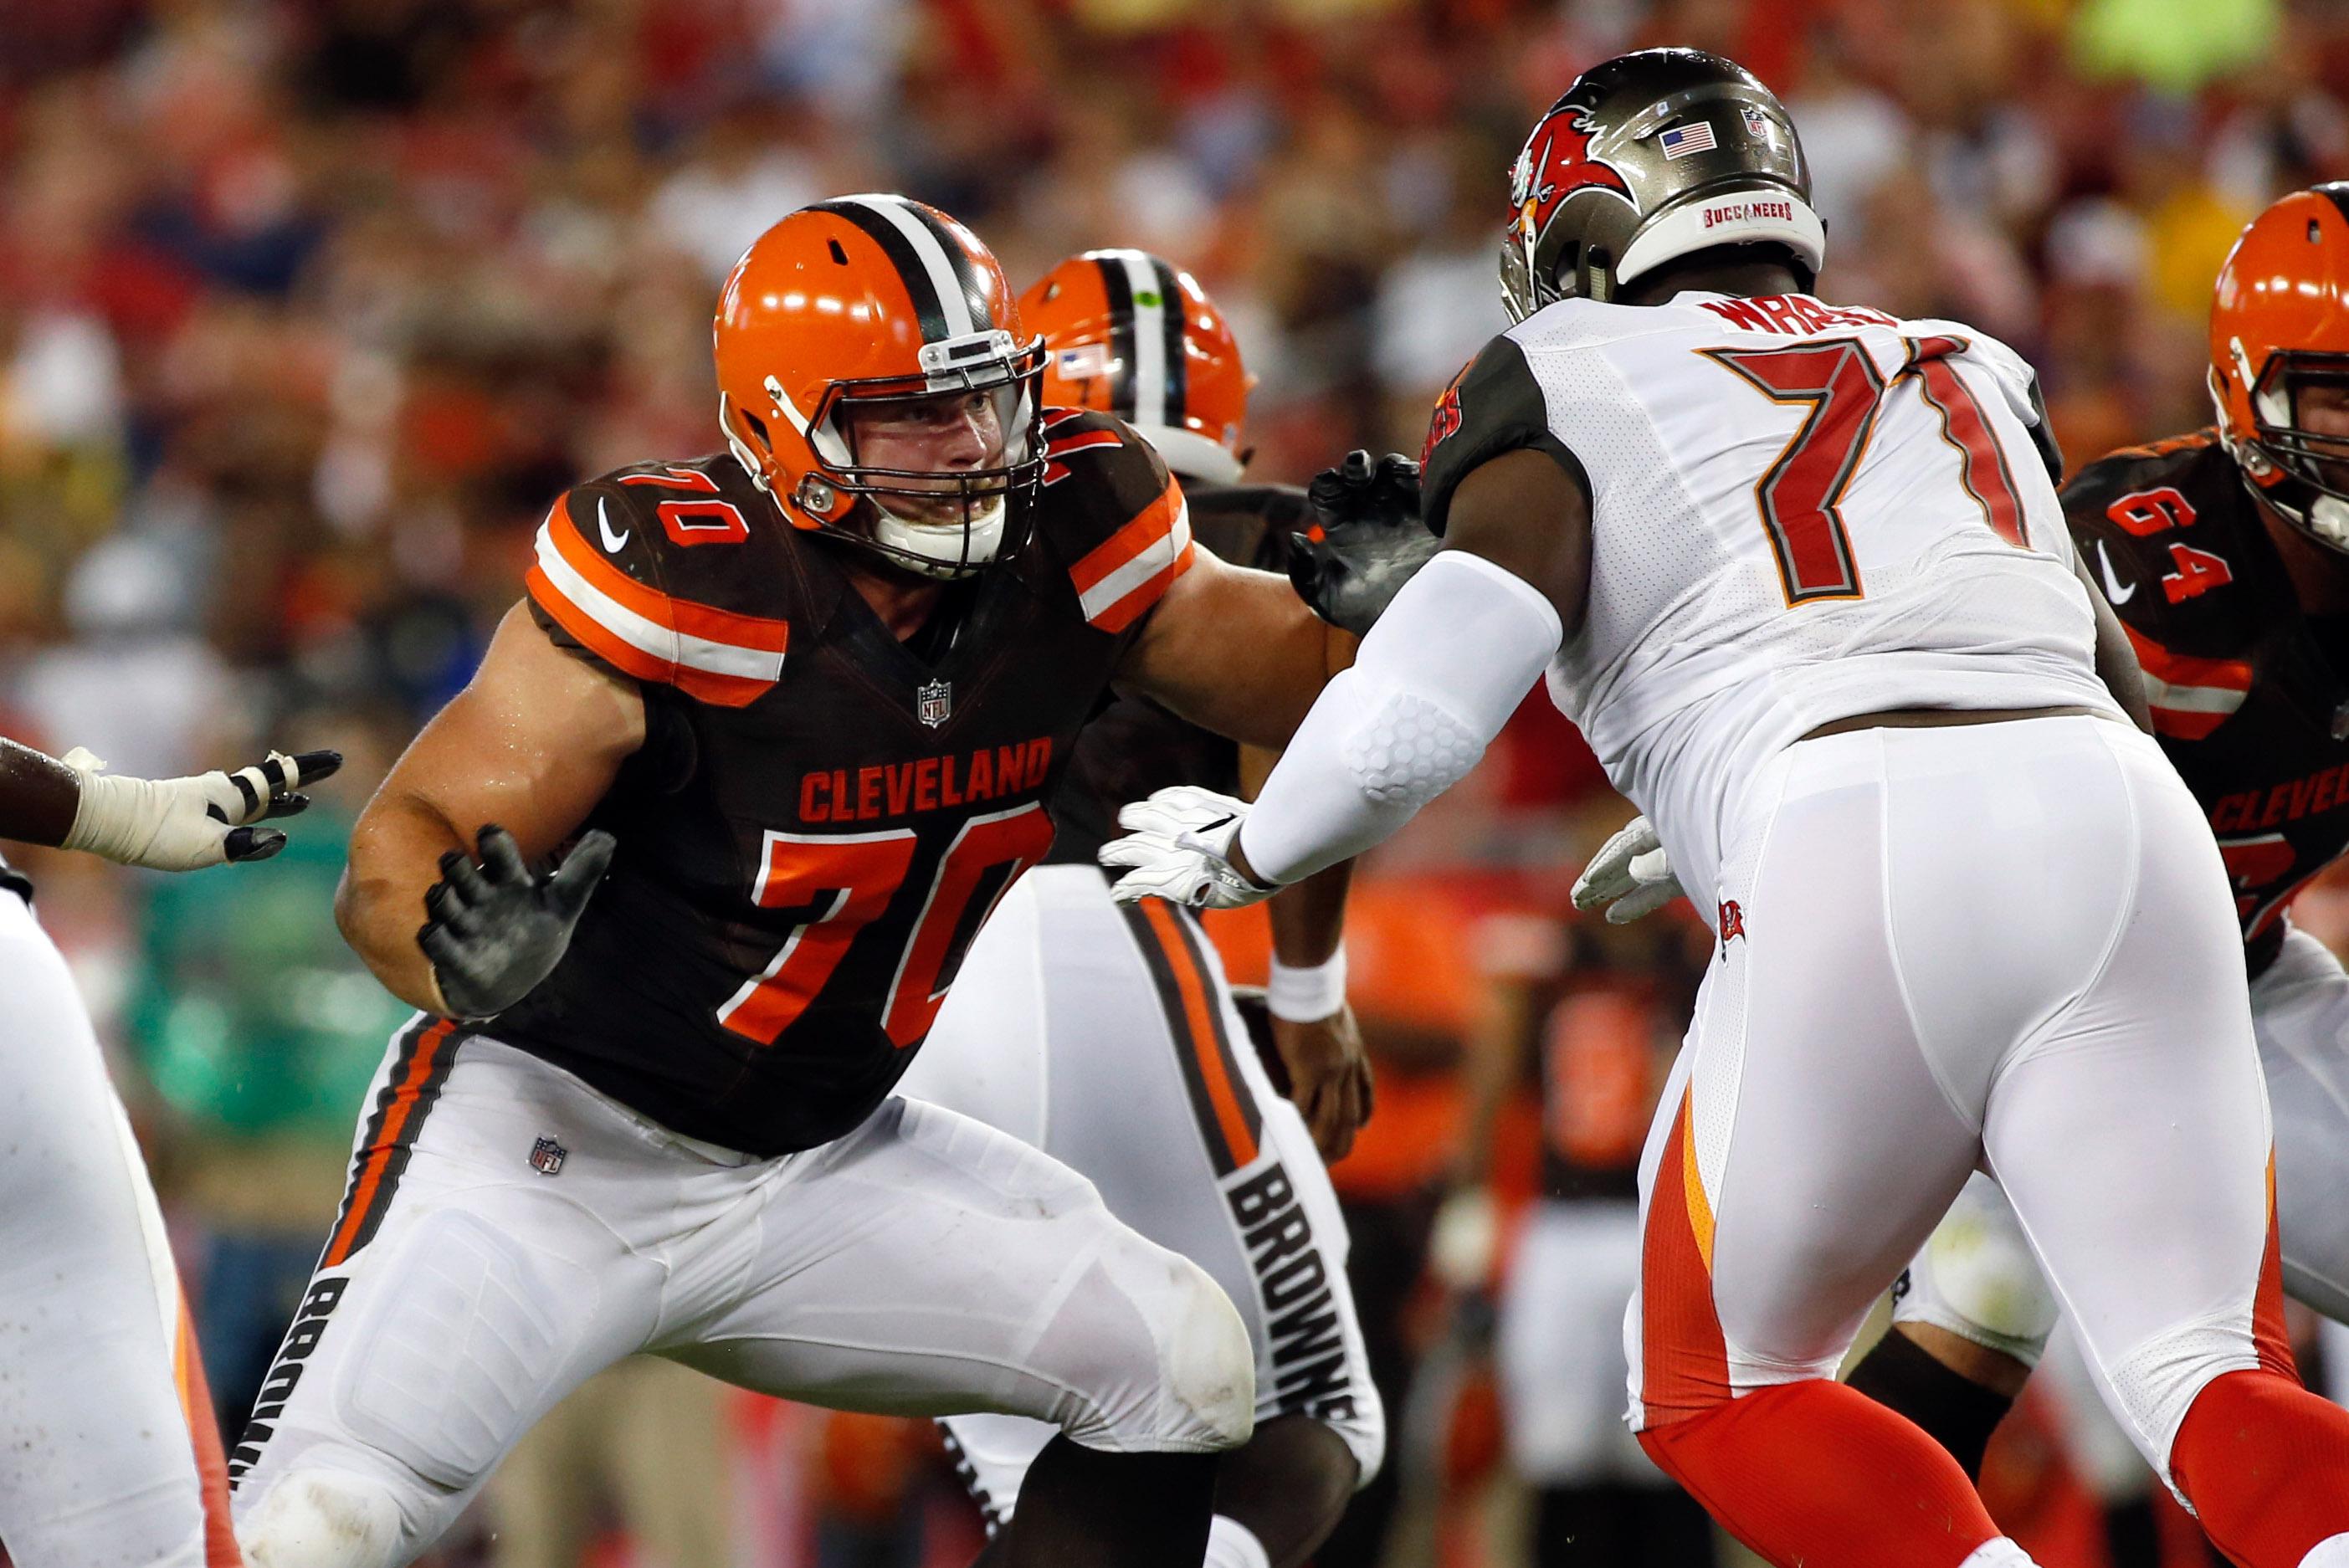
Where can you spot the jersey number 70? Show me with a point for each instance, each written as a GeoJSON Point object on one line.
{"type": "Point", "coordinates": [843, 885]}
{"type": "Point", "coordinates": [1801, 493]}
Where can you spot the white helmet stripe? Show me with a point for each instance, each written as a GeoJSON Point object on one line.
{"type": "Point", "coordinates": [937, 264]}
{"type": "Point", "coordinates": [1149, 336]}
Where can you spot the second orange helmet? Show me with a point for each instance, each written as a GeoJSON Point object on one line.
{"type": "Point", "coordinates": [1133, 334]}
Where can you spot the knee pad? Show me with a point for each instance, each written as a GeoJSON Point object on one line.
{"type": "Point", "coordinates": [1178, 1374]}
{"type": "Point", "coordinates": [1230, 1544]}
{"type": "Point", "coordinates": [322, 1518]}
{"type": "Point", "coordinates": [1977, 1278]}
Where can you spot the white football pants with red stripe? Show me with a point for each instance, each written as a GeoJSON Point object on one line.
{"type": "Point", "coordinates": [2003, 945]}
{"type": "Point", "coordinates": [108, 1454]}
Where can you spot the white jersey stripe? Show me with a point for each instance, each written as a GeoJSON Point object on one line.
{"type": "Point", "coordinates": [1151, 560]}
{"type": "Point", "coordinates": [647, 636]}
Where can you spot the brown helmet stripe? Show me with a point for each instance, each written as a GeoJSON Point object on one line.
{"type": "Point", "coordinates": [941, 305]}
{"type": "Point", "coordinates": [1170, 292]}
{"type": "Point", "coordinates": [1119, 288]}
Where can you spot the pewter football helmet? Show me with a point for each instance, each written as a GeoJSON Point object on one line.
{"type": "Point", "coordinates": [1648, 157]}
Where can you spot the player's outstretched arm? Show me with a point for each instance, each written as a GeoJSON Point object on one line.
{"type": "Point", "coordinates": [531, 745]}
{"type": "Point", "coordinates": [164, 825]}
{"type": "Point", "coordinates": [1235, 651]}
{"type": "Point", "coordinates": [1433, 682]}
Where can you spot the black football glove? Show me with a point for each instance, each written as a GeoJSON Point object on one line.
{"type": "Point", "coordinates": [498, 929]}
{"type": "Point", "coordinates": [1366, 541]}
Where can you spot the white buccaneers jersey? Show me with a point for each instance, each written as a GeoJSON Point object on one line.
{"type": "Point", "coordinates": [1800, 512]}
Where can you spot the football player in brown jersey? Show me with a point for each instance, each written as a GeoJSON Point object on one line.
{"type": "Point", "coordinates": [1107, 1034]}
{"type": "Point", "coordinates": [2225, 553]}
{"type": "Point", "coordinates": [801, 707]}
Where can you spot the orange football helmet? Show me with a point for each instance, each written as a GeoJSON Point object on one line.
{"type": "Point", "coordinates": [1133, 334]}
{"type": "Point", "coordinates": [2279, 324]}
{"type": "Point", "coordinates": [876, 298]}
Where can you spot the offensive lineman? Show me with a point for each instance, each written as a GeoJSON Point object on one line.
{"type": "Point", "coordinates": [1800, 575]}
{"type": "Point", "coordinates": [806, 702]}
{"type": "Point", "coordinates": [1106, 1035]}
{"type": "Point", "coordinates": [110, 1450]}
{"type": "Point", "coordinates": [2226, 555]}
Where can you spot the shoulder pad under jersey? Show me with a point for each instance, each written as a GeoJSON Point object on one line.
{"type": "Point", "coordinates": [1111, 515]}
{"type": "Point", "coordinates": [2160, 530]}
{"type": "Point", "coordinates": [1493, 406]}
{"type": "Point", "coordinates": [641, 570]}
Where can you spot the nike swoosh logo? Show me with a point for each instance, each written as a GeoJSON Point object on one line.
{"type": "Point", "coordinates": [2114, 593]}
{"type": "Point", "coordinates": [612, 542]}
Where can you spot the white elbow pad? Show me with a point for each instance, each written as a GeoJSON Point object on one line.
{"type": "Point", "coordinates": [1409, 750]}
{"type": "Point", "coordinates": [1436, 678]}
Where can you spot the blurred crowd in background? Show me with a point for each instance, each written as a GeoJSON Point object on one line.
{"type": "Point", "coordinates": [309, 307]}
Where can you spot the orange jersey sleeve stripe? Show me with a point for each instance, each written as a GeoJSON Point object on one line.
{"type": "Point", "coordinates": [682, 615]}
{"type": "Point", "coordinates": [1126, 573]}
{"type": "Point", "coordinates": [1126, 611]}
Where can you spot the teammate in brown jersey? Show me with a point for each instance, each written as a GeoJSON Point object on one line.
{"type": "Point", "coordinates": [807, 702]}
{"type": "Point", "coordinates": [1108, 1035]}
{"type": "Point", "coordinates": [2225, 553]}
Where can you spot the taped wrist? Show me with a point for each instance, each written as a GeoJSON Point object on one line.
{"type": "Point", "coordinates": [116, 817]}
{"type": "Point", "coordinates": [1435, 680]}
{"type": "Point", "coordinates": [1308, 995]}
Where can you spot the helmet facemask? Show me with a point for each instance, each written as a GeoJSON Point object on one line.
{"type": "Point", "coordinates": [2299, 412]}
{"type": "Point", "coordinates": [941, 522]}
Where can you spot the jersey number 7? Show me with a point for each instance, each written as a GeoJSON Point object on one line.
{"type": "Point", "coordinates": [845, 884]}
{"type": "Point", "coordinates": [1801, 493]}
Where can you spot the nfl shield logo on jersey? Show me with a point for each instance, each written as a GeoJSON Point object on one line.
{"type": "Point", "coordinates": [546, 1156]}
{"type": "Point", "coordinates": [935, 700]}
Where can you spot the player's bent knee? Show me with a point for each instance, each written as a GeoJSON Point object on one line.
{"type": "Point", "coordinates": [1168, 1362]}
{"type": "Point", "coordinates": [322, 1518]}
{"type": "Point", "coordinates": [1977, 1278]}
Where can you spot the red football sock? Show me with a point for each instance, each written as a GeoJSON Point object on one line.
{"type": "Point", "coordinates": [2266, 1464]}
{"type": "Point", "coordinates": [1817, 1474]}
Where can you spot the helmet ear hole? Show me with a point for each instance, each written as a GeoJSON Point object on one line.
{"type": "Point", "coordinates": [758, 425]}
{"type": "Point", "coordinates": [838, 254]}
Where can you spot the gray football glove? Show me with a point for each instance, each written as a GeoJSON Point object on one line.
{"type": "Point", "coordinates": [499, 928]}
{"type": "Point", "coordinates": [1366, 541]}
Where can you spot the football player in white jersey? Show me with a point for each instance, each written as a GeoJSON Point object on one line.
{"type": "Point", "coordinates": [108, 1451]}
{"type": "Point", "coordinates": [1799, 573]}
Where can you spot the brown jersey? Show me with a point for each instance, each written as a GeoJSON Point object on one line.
{"type": "Point", "coordinates": [1134, 747]}
{"type": "Point", "coordinates": [2250, 695]}
{"type": "Point", "coordinates": [821, 815]}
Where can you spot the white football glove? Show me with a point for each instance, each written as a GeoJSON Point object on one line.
{"type": "Point", "coordinates": [1628, 874]}
{"type": "Point", "coordinates": [1178, 847]}
{"type": "Point", "coordinates": [183, 824]}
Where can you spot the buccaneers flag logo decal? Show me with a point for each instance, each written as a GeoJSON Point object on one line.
{"type": "Point", "coordinates": [1555, 163]}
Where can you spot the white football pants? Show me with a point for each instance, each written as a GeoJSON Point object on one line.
{"type": "Point", "coordinates": [2006, 945]}
{"type": "Point", "coordinates": [98, 1413]}
{"type": "Point", "coordinates": [1105, 1036]}
{"type": "Point", "coordinates": [508, 1232]}
{"type": "Point", "coordinates": [1976, 1276]}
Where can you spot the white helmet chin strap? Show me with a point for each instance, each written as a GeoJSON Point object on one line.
{"type": "Point", "coordinates": [942, 549]}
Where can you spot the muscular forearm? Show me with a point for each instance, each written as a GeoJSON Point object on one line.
{"type": "Point", "coordinates": [395, 857]}
{"type": "Point", "coordinates": [1309, 917]}
{"type": "Point", "coordinates": [38, 796]}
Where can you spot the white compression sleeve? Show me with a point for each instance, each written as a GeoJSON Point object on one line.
{"type": "Point", "coordinates": [1436, 678]}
